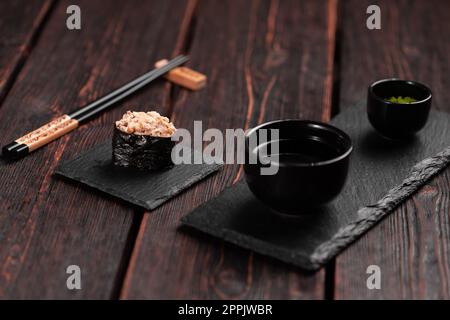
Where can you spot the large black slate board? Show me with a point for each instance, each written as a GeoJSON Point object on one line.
{"type": "Point", "coordinates": [146, 189]}
{"type": "Point", "coordinates": [381, 175]}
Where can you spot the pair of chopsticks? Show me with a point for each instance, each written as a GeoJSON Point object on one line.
{"type": "Point", "coordinates": [68, 122]}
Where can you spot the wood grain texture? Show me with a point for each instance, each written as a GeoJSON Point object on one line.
{"type": "Point", "coordinates": [47, 224]}
{"type": "Point", "coordinates": [20, 22]}
{"type": "Point", "coordinates": [412, 245]}
{"type": "Point", "coordinates": [264, 60]}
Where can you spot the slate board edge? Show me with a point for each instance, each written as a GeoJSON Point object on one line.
{"type": "Point", "coordinates": [112, 193]}
{"type": "Point", "coordinates": [212, 168]}
{"type": "Point", "coordinates": [126, 197]}
{"type": "Point", "coordinates": [372, 214]}
{"type": "Point", "coordinates": [253, 244]}
{"type": "Point", "coordinates": [129, 198]}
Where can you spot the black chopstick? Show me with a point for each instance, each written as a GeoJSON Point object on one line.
{"type": "Point", "coordinates": [68, 122]}
{"type": "Point", "coordinates": [99, 105]}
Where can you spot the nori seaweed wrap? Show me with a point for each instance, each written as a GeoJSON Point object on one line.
{"type": "Point", "coordinates": [141, 151]}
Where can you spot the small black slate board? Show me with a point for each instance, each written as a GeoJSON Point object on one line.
{"type": "Point", "coordinates": [146, 189]}
{"type": "Point", "coordinates": [380, 177]}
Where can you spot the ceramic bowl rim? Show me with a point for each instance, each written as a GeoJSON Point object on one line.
{"type": "Point", "coordinates": [408, 82]}
{"type": "Point", "coordinates": [317, 125]}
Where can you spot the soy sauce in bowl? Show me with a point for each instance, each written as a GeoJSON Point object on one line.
{"type": "Point", "coordinates": [299, 151]}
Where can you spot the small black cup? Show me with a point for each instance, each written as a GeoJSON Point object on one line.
{"type": "Point", "coordinates": [397, 120]}
{"type": "Point", "coordinates": [311, 164]}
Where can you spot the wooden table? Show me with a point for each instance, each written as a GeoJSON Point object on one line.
{"type": "Point", "coordinates": [265, 60]}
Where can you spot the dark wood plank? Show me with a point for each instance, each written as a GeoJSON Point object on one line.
{"type": "Point", "coordinates": [261, 65]}
{"type": "Point", "coordinates": [411, 246]}
{"type": "Point", "coordinates": [46, 223]}
{"type": "Point", "coordinates": [19, 24]}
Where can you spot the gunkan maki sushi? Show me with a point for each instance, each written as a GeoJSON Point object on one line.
{"type": "Point", "coordinates": [143, 140]}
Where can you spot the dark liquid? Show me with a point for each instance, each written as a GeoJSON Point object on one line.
{"type": "Point", "coordinates": [301, 151]}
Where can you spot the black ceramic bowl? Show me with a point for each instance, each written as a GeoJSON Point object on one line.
{"type": "Point", "coordinates": [396, 120]}
{"type": "Point", "coordinates": [311, 164]}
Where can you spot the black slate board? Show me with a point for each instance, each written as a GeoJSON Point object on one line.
{"type": "Point", "coordinates": [146, 189]}
{"type": "Point", "coordinates": [382, 174]}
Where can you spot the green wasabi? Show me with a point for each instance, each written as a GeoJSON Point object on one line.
{"type": "Point", "coordinates": [401, 99]}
